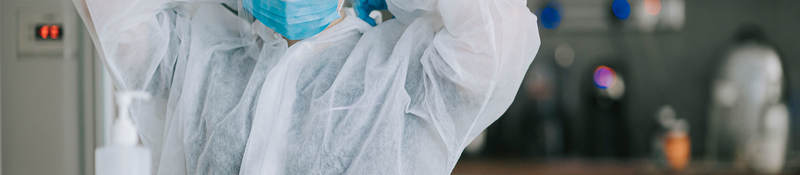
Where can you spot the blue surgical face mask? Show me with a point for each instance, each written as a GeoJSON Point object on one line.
{"type": "Point", "coordinates": [294, 19]}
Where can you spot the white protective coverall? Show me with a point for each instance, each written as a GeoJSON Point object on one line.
{"type": "Point", "coordinates": [405, 97]}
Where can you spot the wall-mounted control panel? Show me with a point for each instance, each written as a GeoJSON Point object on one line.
{"type": "Point", "coordinates": [40, 33]}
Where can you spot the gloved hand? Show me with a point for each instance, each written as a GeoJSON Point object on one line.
{"type": "Point", "coordinates": [364, 7]}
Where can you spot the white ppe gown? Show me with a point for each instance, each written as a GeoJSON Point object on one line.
{"type": "Point", "coordinates": [404, 97]}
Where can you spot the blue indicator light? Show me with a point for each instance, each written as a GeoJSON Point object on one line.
{"type": "Point", "coordinates": [621, 9]}
{"type": "Point", "coordinates": [551, 17]}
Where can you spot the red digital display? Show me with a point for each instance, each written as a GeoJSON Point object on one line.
{"type": "Point", "coordinates": [49, 32]}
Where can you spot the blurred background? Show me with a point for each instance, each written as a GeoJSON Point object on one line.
{"type": "Point", "coordinates": [617, 87]}
{"type": "Point", "coordinates": [653, 87]}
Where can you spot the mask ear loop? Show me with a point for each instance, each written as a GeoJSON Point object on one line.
{"type": "Point", "coordinates": [244, 13]}
{"type": "Point", "coordinates": [339, 8]}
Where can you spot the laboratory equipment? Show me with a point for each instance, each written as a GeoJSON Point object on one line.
{"type": "Point", "coordinates": [607, 131]}
{"type": "Point", "coordinates": [672, 143]}
{"type": "Point", "coordinates": [533, 126]}
{"type": "Point", "coordinates": [749, 125]}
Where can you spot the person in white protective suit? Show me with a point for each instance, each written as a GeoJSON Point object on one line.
{"type": "Point", "coordinates": [234, 97]}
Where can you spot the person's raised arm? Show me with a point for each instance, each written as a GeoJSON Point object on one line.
{"type": "Point", "coordinates": [475, 63]}
{"type": "Point", "coordinates": [132, 37]}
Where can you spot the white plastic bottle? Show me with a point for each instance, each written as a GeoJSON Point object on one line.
{"type": "Point", "coordinates": [767, 150]}
{"type": "Point", "coordinates": [124, 156]}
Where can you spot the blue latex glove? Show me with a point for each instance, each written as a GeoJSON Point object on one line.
{"type": "Point", "coordinates": [364, 7]}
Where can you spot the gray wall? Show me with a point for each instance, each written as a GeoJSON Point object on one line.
{"type": "Point", "coordinates": [45, 99]}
